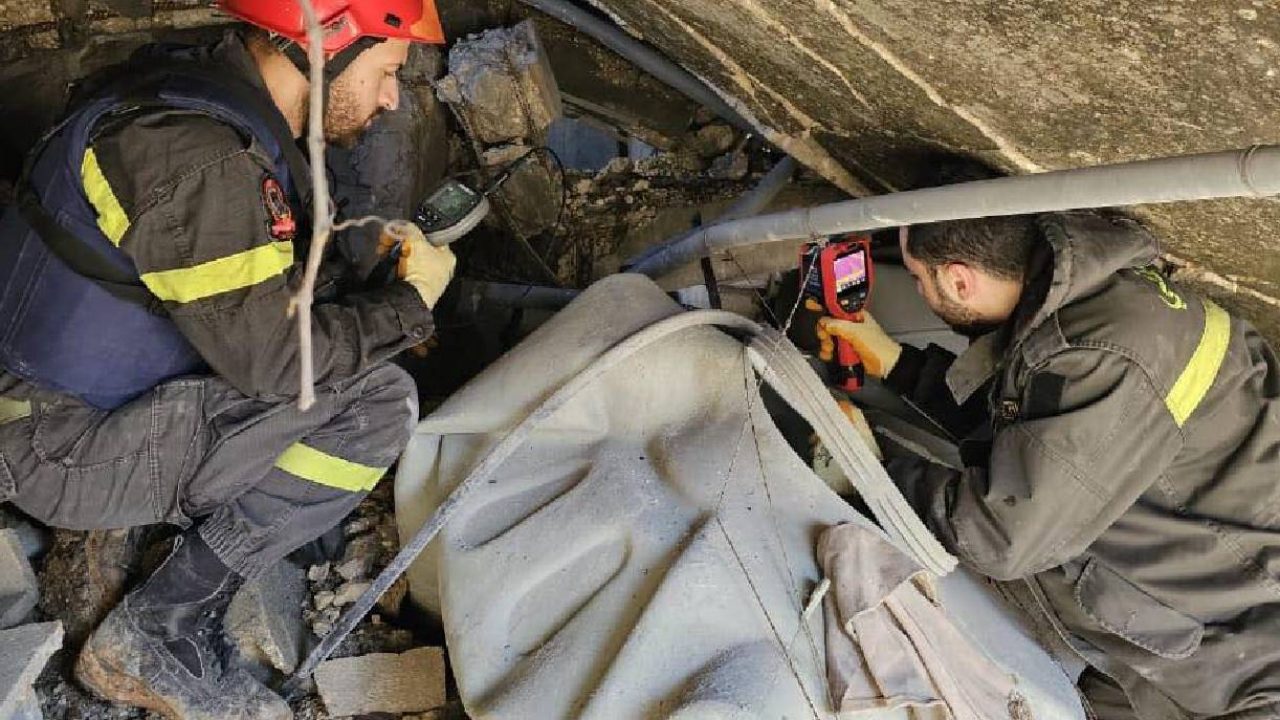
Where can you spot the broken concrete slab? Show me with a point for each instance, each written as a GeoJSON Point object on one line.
{"type": "Point", "coordinates": [501, 85]}
{"type": "Point", "coordinates": [19, 591]}
{"type": "Point", "coordinates": [265, 618]}
{"type": "Point", "coordinates": [530, 198]}
{"type": "Point", "coordinates": [35, 539]}
{"type": "Point", "coordinates": [411, 682]}
{"type": "Point", "coordinates": [26, 650]}
{"type": "Point", "coordinates": [27, 708]}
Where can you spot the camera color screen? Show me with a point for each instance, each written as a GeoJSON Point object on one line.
{"type": "Point", "coordinates": [850, 271]}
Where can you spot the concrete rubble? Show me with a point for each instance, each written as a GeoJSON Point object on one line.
{"type": "Point", "coordinates": [265, 618]}
{"type": "Point", "coordinates": [501, 85]}
{"type": "Point", "coordinates": [19, 592]}
{"type": "Point", "coordinates": [501, 88]}
{"type": "Point", "coordinates": [383, 683]}
{"type": "Point", "coordinates": [35, 540]}
{"type": "Point", "coordinates": [26, 650]}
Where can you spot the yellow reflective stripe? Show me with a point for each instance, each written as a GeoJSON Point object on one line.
{"type": "Point", "coordinates": [311, 464]}
{"type": "Point", "coordinates": [233, 272]}
{"type": "Point", "coordinates": [111, 218]}
{"type": "Point", "coordinates": [1198, 376]}
{"type": "Point", "coordinates": [13, 409]}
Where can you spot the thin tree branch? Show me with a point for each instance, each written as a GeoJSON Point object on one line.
{"type": "Point", "coordinates": [321, 216]}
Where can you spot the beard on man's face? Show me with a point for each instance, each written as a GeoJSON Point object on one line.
{"type": "Point", "coordinates": [962, 320]}
{"type": "Point", "coordinates": [343, 123]}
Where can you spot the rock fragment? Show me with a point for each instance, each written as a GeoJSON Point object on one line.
{"type": "Point", "coordinates": [265, 618]}
{"type": "Point", "coordinates": [410, 682]}
{"type": "Point", "coordinates": [19, 591]}
{"type": "Point", "coordinates": [500, 83]}
{"type": "Point", "coordinates": [26, 649]}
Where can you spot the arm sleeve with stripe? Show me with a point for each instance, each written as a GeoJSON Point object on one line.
{"type": "Point", "coordinates": [202, 243]}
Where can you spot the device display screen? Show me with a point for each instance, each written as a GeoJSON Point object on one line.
{"type": "Point", "coordinates": [452, 200]}
{"type": "Point", "coordinates": [850, 271]}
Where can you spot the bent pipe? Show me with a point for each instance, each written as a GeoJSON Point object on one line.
{"type": "Point", "coordinates": [643, 57]}
{"type": "Point", "coordinates": [1252, 172]}
{"type": "Point", "coordinates": [778, 361]}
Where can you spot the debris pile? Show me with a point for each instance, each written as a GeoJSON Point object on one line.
{"type": "Point", "coordinates": [503, 93]}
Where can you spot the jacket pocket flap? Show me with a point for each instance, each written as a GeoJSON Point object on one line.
{"type": "Point", "coordinates": [1126, 610]}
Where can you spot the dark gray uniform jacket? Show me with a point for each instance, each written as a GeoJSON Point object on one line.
{"type": "Point", "coordinates": [188, 190]}
{"type": "Point", "coordinates": [1133, 476]}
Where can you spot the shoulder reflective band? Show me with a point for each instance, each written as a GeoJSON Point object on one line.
{"type": "Point", "coordinates": [318, 467]}
{"type": "Point", "coordinates": [11, 410]}
{"type": "Point", "coordinates": [1198, 376]}
{"type": "Point", "coordinates": [111, 218]}
{"type": "Point", "coordinates": [184, 285]}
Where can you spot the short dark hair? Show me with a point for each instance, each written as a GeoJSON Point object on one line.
{"type": "Point", "coordinates": [1000, 246]}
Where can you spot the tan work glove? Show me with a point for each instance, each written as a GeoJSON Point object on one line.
{"type": "Point", "coordinates": [860, 424]}
{"type": "Point", "coordinates": [878, 351]}
{"type": "Point", "coordinates": [424, 266]}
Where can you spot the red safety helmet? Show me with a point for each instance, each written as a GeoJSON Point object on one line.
{"type": "Point", "coordinates": [344, 21]}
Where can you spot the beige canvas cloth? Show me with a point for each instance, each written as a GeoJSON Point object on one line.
{"type": "Point", "coordinates": [889, 644]}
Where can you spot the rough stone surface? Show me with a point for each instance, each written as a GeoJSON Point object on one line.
{"type": "Point", "coordinates": [265, 618]}
{"type": "Point", "coordinates": [27, 707]}
{"type": "Point", "coordinates": [85, 575]}
{"type": "Point", "coordinates": [501, 83]}
{"type": "Point", "coordinates": [26, 650]}
{"type": "Point", "coordinates": [349, 592]}
{"type": "Point", "coordinates": [18, 590]}
{"type": "Point", "coordinates": [34, 539]}
{"type": "Point", "coordinates": [383, 683]}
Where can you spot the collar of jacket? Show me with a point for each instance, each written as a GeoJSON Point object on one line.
{"type": "Point", "coordinates": [232, 52]}
{"type": "Point", "coordinates": [1087, 249]}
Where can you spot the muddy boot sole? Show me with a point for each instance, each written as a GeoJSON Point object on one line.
{"type": "Point", "coordinates": [107, 677]}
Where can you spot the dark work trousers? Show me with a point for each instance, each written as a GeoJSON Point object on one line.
{"type": "Point", "coordinates": [260, 478]}
{"type": "Point", "coordinates": [1106, 700]}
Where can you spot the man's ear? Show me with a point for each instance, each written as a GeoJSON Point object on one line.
{"type": "Point", "coordinates": [959, 281]}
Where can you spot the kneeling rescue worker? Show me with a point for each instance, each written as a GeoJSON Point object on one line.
{"type": "Point", "coordinates": [1121, 453]}
{"type": "Point", "coordinates": [150, 373]}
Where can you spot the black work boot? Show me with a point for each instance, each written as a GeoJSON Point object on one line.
{"type": "Point", "coordinates": [162, 647]}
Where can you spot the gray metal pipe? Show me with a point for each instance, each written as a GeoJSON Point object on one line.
{"type": "Point", "coordinates": [1253, 172]}
{"type": "Point", "coordinates": [473, 294]}
{"type": "Point", "coordinates": [643, 57]}
{"type": "Point", "coordinates": [747, 206]}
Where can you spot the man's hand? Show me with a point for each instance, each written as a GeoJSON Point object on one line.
{"type": "Point", "coordinates": [878, 351]}
{"type": "Point", "coordinates": [424, 266]}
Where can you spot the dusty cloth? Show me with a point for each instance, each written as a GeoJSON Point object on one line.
{"type": "Point", "coordinates": [196, 449]}
{"type": "Point", "coordinates": [889, 645]}
{"type": "Point", "coordinates": [1132, 467]}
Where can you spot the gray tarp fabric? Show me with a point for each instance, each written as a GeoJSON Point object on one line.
{"type": "Point", "coordinates": [889, 644]}
{"type": "Point", "coordinates": [650, 550]}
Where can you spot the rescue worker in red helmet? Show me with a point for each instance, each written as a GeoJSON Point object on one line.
{"type": "Point", "coordinates": [148, 368]}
